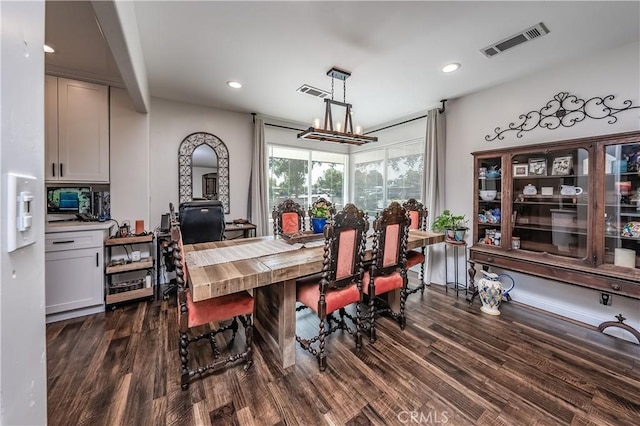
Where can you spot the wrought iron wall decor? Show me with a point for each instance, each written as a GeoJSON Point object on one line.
{"type": "Point", "coordinates": [185, 163]}
{"type": "Point", "coordinates": [564, 110]}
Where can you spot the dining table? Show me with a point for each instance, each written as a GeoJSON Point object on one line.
{"type": "Point", "coordinates": [269, 267]}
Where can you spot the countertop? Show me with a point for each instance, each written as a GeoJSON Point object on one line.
{"type": "Point", "coordinates": [76, 225]}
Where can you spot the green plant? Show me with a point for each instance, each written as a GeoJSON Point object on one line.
{"type": "Point", "coordinates": [320, 209]}
{"type": "Point", "coordinates": [447, 220]}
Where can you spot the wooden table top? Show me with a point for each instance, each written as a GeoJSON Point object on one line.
{"type": "Point", "coordinates": [225, 278]}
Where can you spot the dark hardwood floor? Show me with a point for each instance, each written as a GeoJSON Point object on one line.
{"type": "Point", "coordinates": [452, 365]}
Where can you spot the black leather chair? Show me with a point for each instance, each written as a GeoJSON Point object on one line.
{"type": "Point", "coordinates": [201, 221]}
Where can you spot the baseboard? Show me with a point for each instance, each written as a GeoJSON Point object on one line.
{"type": "Point", "coordinates": [61, 316]}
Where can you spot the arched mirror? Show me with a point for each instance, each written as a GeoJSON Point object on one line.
{"type": "Point", "coordinates": [204, 166]}
{"type": "Point", "coordinates": [203, 169]}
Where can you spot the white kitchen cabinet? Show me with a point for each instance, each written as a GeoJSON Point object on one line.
{"type": "Point", "coordinates": [74, 274]}
{"type": "Point", "coordinates": [76, 131]}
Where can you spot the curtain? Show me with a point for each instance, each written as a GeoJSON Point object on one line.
{"type": "Point", "coordinates": [434, 173]}
{"type": "Point", "coordinates": [258, 202]}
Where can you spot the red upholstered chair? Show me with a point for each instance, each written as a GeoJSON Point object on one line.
{"type": "Point", "coordinates": [288, 218]}
{"type": "Point", "coordinates": [195, 314]}
{"type": "Point", "coordinates": [418, 214]}
{"type": "Point", "coordinates": [340, 284]}
{"type": "Point", "coordinates": [388, 269]}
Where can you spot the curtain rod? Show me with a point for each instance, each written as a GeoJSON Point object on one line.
{"type": "Point", "coordinates": [440, 110]}
{"type": "Point", "coordinates": [284, 127]}
{"type": "Point", "coordinates": [394, 125]}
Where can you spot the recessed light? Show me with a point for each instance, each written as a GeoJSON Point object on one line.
{"type": "Point", "coordinates": [234, 84]}
{"type": "Point", "coordinates": [450, 67]}
{"type": "Point", "coordinates": [48, 49]}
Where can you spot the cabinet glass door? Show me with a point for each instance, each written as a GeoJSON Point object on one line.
{"type": "Point", "coordinates": [622, 204]}
{"type": "Point", "coordinates": [551, 202]}
{"type": "Point", "coordinates": [489, 218]}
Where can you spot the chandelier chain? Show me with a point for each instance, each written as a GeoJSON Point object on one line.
{"type": "Point", "coordinates": [332, 79]}
{"type": "Point", "coordinates": [344, 91]}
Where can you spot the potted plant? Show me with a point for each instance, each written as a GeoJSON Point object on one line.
{"type": "Point", "coordinates": [455, 226]}
{"type": "Point", "coordinates": [320, 211]}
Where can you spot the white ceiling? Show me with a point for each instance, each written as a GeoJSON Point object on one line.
{"type": "Point", "coordinates": [394, 50]}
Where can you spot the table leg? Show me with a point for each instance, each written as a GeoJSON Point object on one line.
{"type": "Point", "coordinates": [275, 319]}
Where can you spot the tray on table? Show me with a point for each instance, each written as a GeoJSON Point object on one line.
{"type": "Point", "coordinates": [302, 237]}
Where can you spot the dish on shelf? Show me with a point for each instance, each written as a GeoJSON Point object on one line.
{"type": "Point", "coordinates": [488, 194]}
{"type": "Point", "coordinates": [631, 229]}
{"type": "Point", "coordinates": [493, 174]}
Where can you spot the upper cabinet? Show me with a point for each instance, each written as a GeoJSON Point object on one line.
{"type": "Point", "coordinates": [568, 211]}
{"type": "Point", "coordinates": [76, 131]}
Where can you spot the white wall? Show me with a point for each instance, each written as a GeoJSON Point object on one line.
{"type": "Point", "coordinates": [129, 161]}
{"type": "Point", "coordinates": [23, 385]}
{"type": "Point", "coordinates": [171, 122]}
{"type": "Point", "coordinates": [614, 72]}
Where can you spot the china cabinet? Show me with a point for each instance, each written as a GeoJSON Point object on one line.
{"type": "Point", "coordinates": [567, 211]}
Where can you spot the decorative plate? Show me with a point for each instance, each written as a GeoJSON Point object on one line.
{"type": "Point", "coordinates": [631, 229]}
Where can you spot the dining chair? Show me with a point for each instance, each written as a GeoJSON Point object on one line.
{"type": "Point", "coordinates": [234, 307]}
{"type": "Point", "coordinates": [340, 284]}
{"type": "Point", "coordinates": [419, 215]}
{"type": "Point", "coordinates": [388, 267]}
{"type": "Point", "coordinates": [288, 218]}
{"type": "Point", "coordinates": [201, 221]}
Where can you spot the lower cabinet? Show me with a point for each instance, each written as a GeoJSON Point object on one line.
{"type": "Point", "coordinates": [74, 274]}
{"type": "Point", "coordinates": [74, 279]}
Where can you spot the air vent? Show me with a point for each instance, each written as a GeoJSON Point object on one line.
{"type": "Point", "coordinates": [516, 39]}
{"type": "Point", "coordinates": [313, 91]}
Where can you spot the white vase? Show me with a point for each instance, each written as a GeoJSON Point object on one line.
{"type": "Point", "coordinates": [491, 291]}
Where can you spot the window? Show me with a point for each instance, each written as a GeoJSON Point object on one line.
{"type": "Point", "coordinates": [393, 173]}
{"type": "Point", "coordinates": [304, 175]}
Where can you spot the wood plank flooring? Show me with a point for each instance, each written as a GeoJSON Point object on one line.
{"type": "Point", "coordinates": [452, 365]}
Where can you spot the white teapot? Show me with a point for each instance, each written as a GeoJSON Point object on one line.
{"type": "Point", "coordinates": [570, 190]}
{"type": "Point", "coordinates": [529, 190]}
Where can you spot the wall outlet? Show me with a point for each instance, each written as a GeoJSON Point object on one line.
{"type": "Point", "coordinates": [605, 299]}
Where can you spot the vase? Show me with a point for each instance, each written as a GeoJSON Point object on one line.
{"type": "Point", "coordinates": [317, 224]}
{"type": "Point", "coordinates": [491, 292]}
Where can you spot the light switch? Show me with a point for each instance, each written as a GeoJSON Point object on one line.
{"type": "Point", "coordinates": [20, 211]}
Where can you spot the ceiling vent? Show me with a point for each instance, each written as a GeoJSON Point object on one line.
{"type": "Point", "coordinates": [313, 91]}
{"type": "Point", "coordinates": [516, 39]}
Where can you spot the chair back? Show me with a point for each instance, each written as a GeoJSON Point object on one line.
{"type": "Point", "coordinates": [345, 243]}
{"type": "Point", "coordinates": [288, 218]}
{"type": "Point", "coordinates": [390, 235]}
{"type": "Point", "coordinates": [418, 213]}
{"type": "Point", "coordinates": [201, 221]}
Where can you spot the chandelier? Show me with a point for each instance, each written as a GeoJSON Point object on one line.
{"type": "Point", "coordinates": [327, 133]}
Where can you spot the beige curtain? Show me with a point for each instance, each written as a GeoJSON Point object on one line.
{"type": "Point", "coordinates": [433, 183]}
{"type": "Point", "coordinates": [258, 201]}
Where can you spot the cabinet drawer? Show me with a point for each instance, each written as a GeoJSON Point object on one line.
{"type": "Point", "coordinates": [59, 241]}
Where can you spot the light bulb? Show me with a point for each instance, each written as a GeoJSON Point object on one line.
{"type": "Point", "coordinates": [316, 123]}
{"type": "Point", "coordinates": [338, 126]}
{"type": "Point", "coordinates": [358, 130]}
{"type": "Point", "coordinates": [451, 67]}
